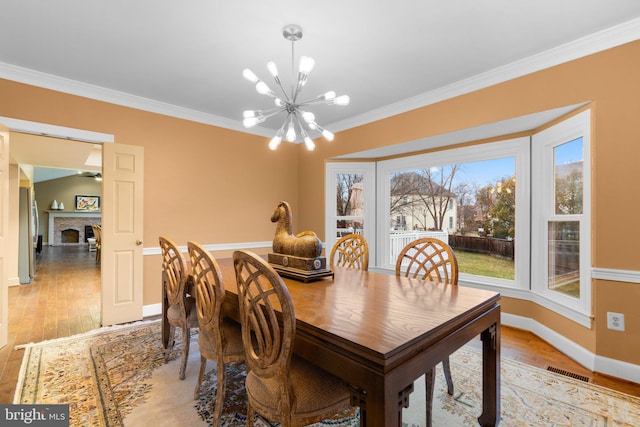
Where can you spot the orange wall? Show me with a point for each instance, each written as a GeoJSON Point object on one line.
{"type": "Point", "coordinates": [610, 80]}
{"type": "Point", "coordinates": [201, 182]}
{"type": "Point", "coordinates": [220, 186]}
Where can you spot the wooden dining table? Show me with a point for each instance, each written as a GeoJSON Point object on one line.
{"type": "Point", "coordinates": [379, 333]}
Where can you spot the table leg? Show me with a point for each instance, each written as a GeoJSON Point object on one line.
{"type": "Point", "coordinates": [490, 375]}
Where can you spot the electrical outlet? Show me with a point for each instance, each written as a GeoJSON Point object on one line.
{"type": "Point", "coordinates": [615, 321]}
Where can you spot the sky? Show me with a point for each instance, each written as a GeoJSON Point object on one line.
{"type": "Point", "coordinates": [490, 171]}
{"type": "Point", "coordinates": [485, 172]}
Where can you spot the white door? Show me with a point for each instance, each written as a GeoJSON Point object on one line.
{"type": "Point", "coordinates": [4, 225]}
{"type": "Point", "coordinates": [121, 250]}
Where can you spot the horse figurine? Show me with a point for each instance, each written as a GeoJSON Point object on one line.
{"type": "Point", "coordinates": [305, 244]}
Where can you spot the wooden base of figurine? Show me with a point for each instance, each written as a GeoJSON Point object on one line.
{"type": "Point", "coordinates": [303, 269]}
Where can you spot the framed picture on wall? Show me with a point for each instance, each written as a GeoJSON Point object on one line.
{"type": "Point", "coordinates": [87, 203]}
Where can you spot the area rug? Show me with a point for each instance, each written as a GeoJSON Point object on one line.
{"type": "Point", "coordinates": [118, 377]}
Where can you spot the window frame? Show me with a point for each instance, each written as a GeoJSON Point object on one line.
{"type": "Point", "coordinates": [368, 170]}
{"type": "Point", "coordinates": [518, 148]}
{"type": "Point", "coordinates": [543, 144]}
{"type": "Point", "coordinates": [534, 176]}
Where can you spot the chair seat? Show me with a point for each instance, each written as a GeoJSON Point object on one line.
{"type": "Point", "coordinates": [233, 334]}
{"type": "Point", "coordinates": [174, 316]}
{"type": "Point", "coordinates": [315, 390]}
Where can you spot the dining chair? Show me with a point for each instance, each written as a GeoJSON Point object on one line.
{"type": "Point", "coordinates": [220, 338]}
{"type": "Point", "coordinates": [97, 233]}
{"type": "Point", "coordinates": [181, 311]}
{"type": "Point", "coordinates": [280, 386]}
{"type": "Point", "coordinates": [430, 259]}
{"type": "Point", "coordinates": [350, 251]}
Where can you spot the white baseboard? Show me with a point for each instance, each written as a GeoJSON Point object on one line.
{"type": "Point", "coordinates": [152, 310]}
{"type": "Point", "coordinates": [13, 281]}
{"type": "Point", "coordinates": [591, 361]}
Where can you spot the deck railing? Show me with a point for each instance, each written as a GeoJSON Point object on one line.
{"type": "Point", "coordinates": [399, 239]}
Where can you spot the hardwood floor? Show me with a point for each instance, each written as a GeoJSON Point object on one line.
{"type": "Point", "coordinates": [64, 300]}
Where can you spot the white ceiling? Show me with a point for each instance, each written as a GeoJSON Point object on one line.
{"type": "Point", "coordinates": [186, 58]}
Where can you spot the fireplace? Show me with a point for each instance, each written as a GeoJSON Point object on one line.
{"type": "Point", "coordinates": [70, 235]}
{"type": "Point", "coordinates": [71, 228]}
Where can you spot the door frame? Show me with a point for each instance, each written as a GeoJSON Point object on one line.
{"type": "Point", "coordinates": [44, 129]}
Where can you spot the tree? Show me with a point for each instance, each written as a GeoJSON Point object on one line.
{"type": "Point", "coordinates": [569, 191]}
{"type": "Point", "coordinates": [344, 192]}
{"type": "Point", "coordinates": [437, 195]}
{"type": "Point", "coordinates": [504, 209]}
{"type": "Point", "coordinates": [465, 194]}
{"type": "Point", "coordinates": [485, 201]}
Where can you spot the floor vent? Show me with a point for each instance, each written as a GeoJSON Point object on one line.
{"type": "Point", "coordinates": [569, 374]}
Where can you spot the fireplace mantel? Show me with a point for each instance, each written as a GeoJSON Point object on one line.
{"type": "Point", "coordinates": [53, 214]}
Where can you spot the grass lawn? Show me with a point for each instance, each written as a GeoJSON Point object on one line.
{"type": "Point", "coordinates": [485, 265]}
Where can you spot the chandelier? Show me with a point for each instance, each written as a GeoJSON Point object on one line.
{"type": "Point", "coordinates": [287, 102]}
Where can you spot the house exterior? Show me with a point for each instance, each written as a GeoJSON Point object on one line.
{"type": "Point", "coordinates": [422, 206]}
{"type": "Point", "coordinates": [212, 164]}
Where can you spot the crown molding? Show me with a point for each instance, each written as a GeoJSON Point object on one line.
{"type": "Point", "coordinates": [602, 40]}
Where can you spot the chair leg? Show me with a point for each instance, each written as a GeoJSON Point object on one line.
{"type": "Point", "coordinates": [447, 375]}
{"type": "Point", "coordinates": [203, 367]}
{"type": "Point", "coordinates": [220, 393]}
{"type": "Point", "coordinates": [186, 342]}
{"type": "Point", "coordinates": [172, 341]}
{"type": "Point", "coordinates": [251, 414]}
{"type": "Point", "coordinates": [429, 379]}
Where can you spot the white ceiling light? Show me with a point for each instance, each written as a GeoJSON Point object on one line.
{"type": "Point", "coordinates": [288, 102]}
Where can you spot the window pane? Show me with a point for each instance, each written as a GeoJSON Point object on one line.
{"type": "Point", "coordinates": [347, 226]}
{"type": "Point", "coordinates": [349, 193]}
{"type": "Point", "coordinates": [469, 205]}
{"type": "Point", "coordinates": [350, 203]}
{"type": "Point", "coordinates": [564, 257]}
{"type": "Point", "coordinates": [568, 172]}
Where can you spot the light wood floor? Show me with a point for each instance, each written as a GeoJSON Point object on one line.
{"type": "Point", "coordinates": [64, 300]}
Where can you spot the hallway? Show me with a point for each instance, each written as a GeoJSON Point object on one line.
{"type": "Point", "coordinates": [63, 300]}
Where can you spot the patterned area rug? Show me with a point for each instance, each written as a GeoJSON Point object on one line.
{"type": "Point", "coordinates": [117, 376]}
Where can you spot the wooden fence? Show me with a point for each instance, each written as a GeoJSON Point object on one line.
{"type": "Point", "coordinates": [484, 245]}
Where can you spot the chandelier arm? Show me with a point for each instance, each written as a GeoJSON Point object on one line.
{"type": "Point", "coordinates": [273, 113]}
{"type": "Point", "coordinates": [269, 112]}
{"type": "Point", "coordinates": [317, 100]}
{"type": "Point", "coordinates": [284, 92]}
{"type": "Point", "coordinates": [302, 80]}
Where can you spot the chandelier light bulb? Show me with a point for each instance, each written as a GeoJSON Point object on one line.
{"type": "Point", "coordinates": [309, 143]}
{"type": "Point", "coordinates": [329, 96]}
{"type": "Point", "coordinates": [250, 122]}
{"type": "Point", "coordinates": [278, 102]}
{"type": "Point", "coordinates": [249, 75]}
{"type": "Point", "coordinates": [327, 135]}
{"type": "Point", "coordinates": [275, 142]}
{"type": "Point", "coordinates": [342, 100]}
{"type": "Point", "coordinates": [306, 65]}
{"type": "Point", "coordinates": [248, 113]}
{"type": "Point", "coordinates": [308, 116]}
{"type": "Point", "coordinates": [291, 133]}
{"type": "Point", "coordinates": [262, 88]}
{"type": "Point", "coordinates": [271, 66]}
